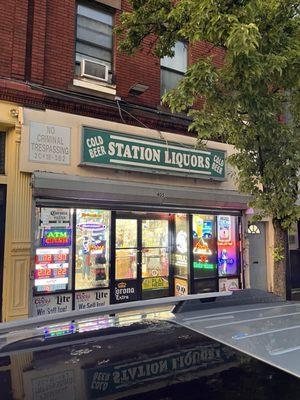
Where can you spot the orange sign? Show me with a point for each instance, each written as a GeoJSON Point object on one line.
{"type": "Point", "coordinates": [181, 287]}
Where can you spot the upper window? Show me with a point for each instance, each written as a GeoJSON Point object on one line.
{"type": "Point", "coordinates": [173, 68]}
{"type": "Point", "coordinates": [94, 43]}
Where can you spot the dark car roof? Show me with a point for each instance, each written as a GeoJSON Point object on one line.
{"type": "Point", "coordinates": [208, 346]}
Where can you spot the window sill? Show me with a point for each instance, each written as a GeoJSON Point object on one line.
{"type": "Point", "coordinates": [112, 3]}
{"type": "Point", "coordinates": [103, 88]}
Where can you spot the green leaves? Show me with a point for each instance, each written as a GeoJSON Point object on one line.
{"type": "Point", "coordinates": [243, 38]}
{"type": "Point", "coordinates": [243, 99]}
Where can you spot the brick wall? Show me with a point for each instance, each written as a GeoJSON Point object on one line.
{"type": "Point", "coordinates": [43, 50]}
{"type": "Point", "coordinates": [13, 33]}
{"type": "Point", "coordinates": [60, 43]}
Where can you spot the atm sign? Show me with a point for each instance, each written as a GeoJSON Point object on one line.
{"type": "Point", "coordinates": [56, 237]}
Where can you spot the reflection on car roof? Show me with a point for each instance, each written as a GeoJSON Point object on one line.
{"type": "Point", "coordinates": [268, 332]}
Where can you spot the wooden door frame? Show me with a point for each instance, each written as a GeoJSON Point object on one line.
{"type": "Point", "coordinates": [2, 239]}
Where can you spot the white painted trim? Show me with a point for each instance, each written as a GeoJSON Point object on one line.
{"type": "Point", "coordinates": [112, 3]}
{"type": "Point", "coordinates": [99, 87]}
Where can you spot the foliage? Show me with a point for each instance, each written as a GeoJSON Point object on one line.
{"type": "Point", "coordinates": [244, 97]}
{"type": "Point", "coordinates": [278, 253]}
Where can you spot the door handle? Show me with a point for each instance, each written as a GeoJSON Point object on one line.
{"type": "Point", "coordinates": [255, 262]}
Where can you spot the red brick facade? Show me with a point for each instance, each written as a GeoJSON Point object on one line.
{"type": "Point", "coordinates": [37, 47]}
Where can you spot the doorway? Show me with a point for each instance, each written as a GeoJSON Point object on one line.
{"type": "Point", "coordinates": [142, 256]}
{"type": "Point", "coordinates": [257, 255]}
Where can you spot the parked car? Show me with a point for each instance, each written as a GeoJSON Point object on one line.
{"type": "Point", "coordinates": [243, 346]}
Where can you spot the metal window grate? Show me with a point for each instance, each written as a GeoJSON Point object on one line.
{"type": "Point", "coordinates": [2, 153]}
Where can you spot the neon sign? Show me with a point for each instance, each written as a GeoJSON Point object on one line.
{"type": "Point", "coordinates": [51, 268]}
{"type": "Point", "coordinates": [46, 273]}
{"type": "Point", "coordinates": [202, 248]}
{"type": "Point", "coordinates": [201, 265]}
{"type": "Point", "coordinates": [99, 226]}
{"type": "Point", "coordinates": [227, 245]}
{"type": "Point", "coordinates": [56, 237]}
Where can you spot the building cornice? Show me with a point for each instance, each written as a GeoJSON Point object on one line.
{"type": "Point", "coordinates": [44, 98]}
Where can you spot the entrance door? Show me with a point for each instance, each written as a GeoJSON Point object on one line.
{"type": "Point", "coordinates": [155, 258]}
{"type": "Point", "coordinates": [257, 255]}
{"type": "Point", "coordinates": [141, 257]}
{"type": "Point", "coordinates": [127, 260]}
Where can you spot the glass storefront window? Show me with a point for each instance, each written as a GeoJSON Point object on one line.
{"type": "Point", "coordinates": [155, 233]}
{"type": "Point", "coordinates": [155, 262]}
{"type": "Point", "coordinates": [126, 248]}
{"type": "Point", "coordinates": [53, 249]}
{"type": "Point", "coordinates": [155, 257]}
{"type": "Point", "coordinates": [227, 245]}
{"type": "Point", "coordinates": [126, 263]}
{"type": "Point", "coordinates": [181, 253]}
{"type": "Point", "coordinates": [72, 253]}
{"type": "Point", "coordinates": [204, 246]}
{"type": "Point", "coordinates": [92, 248]}
{"type": "Point", "coordinates": [126, 233]}
{"type": "Point", "coordinates": [155, 247]}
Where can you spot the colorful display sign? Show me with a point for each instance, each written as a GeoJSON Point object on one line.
{"type": "Point", "coordinates": [55, 217]}
{"type": "Point", "coordinates": [46, 273]}
{"type": "Point", "coordinates": [51, 304]}
{"type": "Point", "coordinates": [155, 283]}
{"type": "Point", "coordinates": [125, 291]}
{"type": "Point", "coordinates": [227, 245]}
{"type": "Point", "coordinates": [56, 237]}
{"type": "Point", "coordinates": [114, 150]}
{"type": "Point", "coordinates": [51, 269]}
{"type": "Point", "coordinates": [92, 239]}
{"type": "Point", "coordinates": [181, 255]}
{"type": "Point", "coordinates": [181, 242]}
{"type": "Point", "coordinates": [204, 246]}
{"type": "Point", "coordinates": [52, 256]}
{"type": "Point", "coordinates": [181, 287]}
{"type": "Point", "coordinates": [228, 285]}
{"type": "Point", "coordinates": [93, 226]}
{"type": "Point", "coordinates": [204, 265]}
{"type": "Point", "coordinates": [91, 299]}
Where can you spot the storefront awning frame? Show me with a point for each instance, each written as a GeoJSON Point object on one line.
{"type": "Point", "coordinates": [50, 188]}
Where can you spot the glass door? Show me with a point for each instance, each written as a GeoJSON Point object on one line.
{"type": "Point", "coordinates": [126, 260]}
{"type": "Point", "coordinates": [141, 256]}
{"type": "Point", "coordinates": [204, 256]}
{"type": "Point", "coordinates": [155, 258]}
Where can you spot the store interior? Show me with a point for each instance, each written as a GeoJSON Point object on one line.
{"type": "Point", "coordinates": [141, 254]}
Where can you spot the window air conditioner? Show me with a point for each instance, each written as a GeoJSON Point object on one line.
{"type": "Point", "coordinates": [94, 70]}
